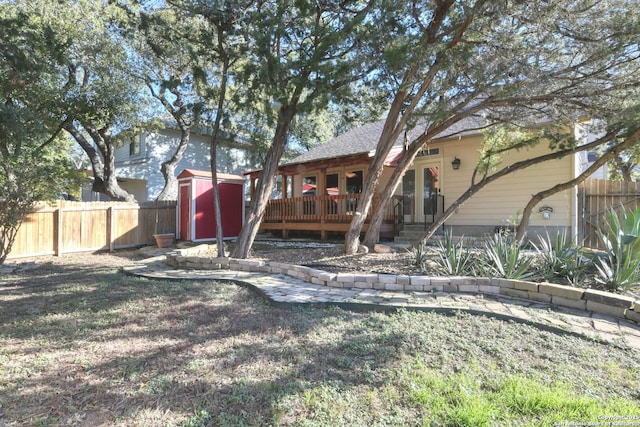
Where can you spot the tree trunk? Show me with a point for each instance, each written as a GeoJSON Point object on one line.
{"type": "Point", "coordinates": [216, 198]}
{"type": "Point", "coordinates": [213, 156]}
{"type": "Point", "coordinates": [179, 113]}
{"type": "Point", "coordinates": [265, 183]}
{"type": "Point", "coordinates": [625, 168]}
{"type": "Point", "coordinates": [102, 164]}
{"type": "Point", "coordinates": [102, 139]}
{"type": "Point", "coordinates": [352, 237]}
{"type": "Point", "coordinates": [95, 159]}
{"type": "Point", "coordinates": [373, 233]}
{"type": "Point", "coordinates": [612, 153]}
{"type": "Point", "coordinates": [168, 168]}
{"type": "Point", "coordinates": [213, 147]}
{"type": "Point", "coordinates": [403, 106]}
{"type": "Point", "coordinates": [394, 124]}
{"type": "Point", "coordinates": [170, 189]}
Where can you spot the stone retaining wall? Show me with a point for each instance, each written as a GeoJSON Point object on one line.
{"type": "Point", "coordinates": [591, 300]}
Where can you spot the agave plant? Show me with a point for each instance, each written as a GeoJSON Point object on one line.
{"type": "Point", "coordinates": [561, 258]}
{"type": "Point", "coordinates": [619, 237]}
{"type": "Point", "coordinates": [420, 256]}
{"type": "Point", "coordinates": [504, 258]}
{"type": "Point", "coordinates": [453, 258]}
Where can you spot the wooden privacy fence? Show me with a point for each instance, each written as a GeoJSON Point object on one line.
{"type": "Point", "coordinates": [596, 197]}
{"type": "Point", "coordinates": [64, 227]}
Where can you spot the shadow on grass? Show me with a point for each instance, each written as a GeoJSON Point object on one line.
{"type": "Point", "coordinates": [87, 341]}
{"type": "Point", "coordinates": [90, 345]}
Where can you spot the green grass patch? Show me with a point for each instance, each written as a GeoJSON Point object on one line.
{"type": "Point", "coordinates": [468, 399]}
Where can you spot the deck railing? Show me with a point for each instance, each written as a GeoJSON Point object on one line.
{"type": "Point", "coordinates": [331, 208]}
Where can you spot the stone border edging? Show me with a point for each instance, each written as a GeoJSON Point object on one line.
{"type": "Point", "coordinates": [590, 300]}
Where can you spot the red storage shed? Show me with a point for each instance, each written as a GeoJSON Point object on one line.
{"type": "Point", "coordinates": [196, 218]}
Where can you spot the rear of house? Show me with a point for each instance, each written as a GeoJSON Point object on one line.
{"type": "Point", "coordinates": [440, 174]}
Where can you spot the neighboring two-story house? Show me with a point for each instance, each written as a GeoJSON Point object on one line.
{"type": "Point", "coordinates": [138, 161]}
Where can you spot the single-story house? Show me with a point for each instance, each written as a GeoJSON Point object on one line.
{"type": "Point", "coordinates": [441, 172]}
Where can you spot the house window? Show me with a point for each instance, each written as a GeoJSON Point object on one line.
{"type": "Point", "coordinates": [134, 146]}
{"type": "Point", "coordinates": [354, 182]}
{"type": "Point", "coordinates": [428, 152]}
{"type": "Point", "coordinates": [332, 187]}
{"type": "Point", "coordinates": [309, 186]}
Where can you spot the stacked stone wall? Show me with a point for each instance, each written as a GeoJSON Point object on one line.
{"type": "Point", "coordinates": [590, 300]}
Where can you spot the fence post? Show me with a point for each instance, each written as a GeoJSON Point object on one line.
{"type": "Point", "coordinates": [110, 241]}
{"type": "Point", "coordinates": [581, 222]}
{"type": "Point", "coordinates": [57, 224]}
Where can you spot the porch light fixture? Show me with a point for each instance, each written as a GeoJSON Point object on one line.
{"type": "Point", "coordinates": [455, 164]}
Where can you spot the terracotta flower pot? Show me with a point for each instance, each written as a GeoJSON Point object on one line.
{"type": "Point", "coordinates": [164, 240]}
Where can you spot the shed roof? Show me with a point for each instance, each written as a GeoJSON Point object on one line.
{"type": "Point", "coordinates": [207, 174]}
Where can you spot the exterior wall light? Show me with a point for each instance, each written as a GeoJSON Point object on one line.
{"type": "Point", "coordinates": [546, 211]}
{"type": "Point", "coordinates": [455, 164]}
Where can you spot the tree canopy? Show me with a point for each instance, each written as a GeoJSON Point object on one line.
{"type": "Point", "coordinates": [35, 164]}
{"type": "Point", "coordinates": [275, 71]}
{"type": "Point", "coordinates": [510, 62]}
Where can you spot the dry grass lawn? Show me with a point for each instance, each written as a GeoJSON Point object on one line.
{"type": "Point", "coordinates": [83, 344]}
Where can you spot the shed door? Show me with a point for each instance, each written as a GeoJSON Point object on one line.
{"type": "Point", "coordinates": [232, 200]}
{"type": "Point", "coordinates": [185, 211]}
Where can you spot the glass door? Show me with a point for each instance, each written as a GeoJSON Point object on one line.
{"type": "Point", "coordinates": [409, 196]}
{"type": "Point", "coordinates": [430, 191]}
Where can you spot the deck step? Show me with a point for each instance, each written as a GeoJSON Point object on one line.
{"type": "Point", "coordinates": [410, 233]}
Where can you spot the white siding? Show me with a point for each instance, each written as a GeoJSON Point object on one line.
{"type": "Point", "coordinates": [121, 153]}
{"type": "Point", "coordinates": [136, 187]}
{"type": "Point", "coordinates": [159, 147]}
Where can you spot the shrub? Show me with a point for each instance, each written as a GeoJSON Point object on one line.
{"type": "Point", "coordinates": [453, 258]}
{"type": "Point", "coordinates": [561, 258]}
{"type": "Point", "coordinates": [503, 257]}
{"type": "Point", "coordinates": [420, 256]}
{"type": "Point", "coordinates": [620, 239]}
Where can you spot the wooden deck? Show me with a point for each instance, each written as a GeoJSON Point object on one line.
{"type": "Point", "coordinates": [322, 214]}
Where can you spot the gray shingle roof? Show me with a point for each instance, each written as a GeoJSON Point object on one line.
{"type": "Point", "coordinates": [364, 139]}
